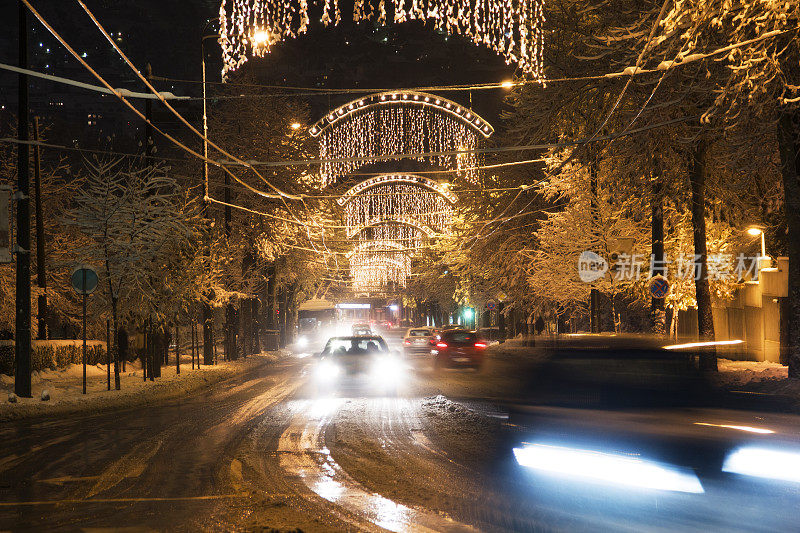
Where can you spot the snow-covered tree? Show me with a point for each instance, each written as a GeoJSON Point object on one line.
{"type": "Point", "coordinates": [138, 235]}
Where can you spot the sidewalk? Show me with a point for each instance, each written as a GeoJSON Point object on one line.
{"type": "Point", "coordinates": [65, 386]}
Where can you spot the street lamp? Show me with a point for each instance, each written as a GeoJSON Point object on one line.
{"type": "Point", "coordinates": [755, 231]}
{"type": "Point", "coordinates": [205, 117]}
{"type": "Point", "coordinates": [261, 38]}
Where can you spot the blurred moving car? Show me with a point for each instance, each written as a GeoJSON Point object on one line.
{"type": "Point", "coordinates": [604, 423]}
{"type": "Point", "coordinates": [458, 348]}
{"type": "Point", "coordinates": [364, 363]}
{"type": "Point", "coordinates": [418, 341]}
{"type": "Point", "coordinates": [362, 328]}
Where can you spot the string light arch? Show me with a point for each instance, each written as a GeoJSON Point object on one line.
{"type": "Point", "coordinates": [391, 123]}
{"type": "Point", "coordinates": [511, 28]}
{"type": "Point", "coordinates": [387, 179]}
{"type": "Point", "coordinates": [408, 98]}
{"type": "Point", "coordinates": [397, 220]}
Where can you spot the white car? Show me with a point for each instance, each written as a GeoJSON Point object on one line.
{"type": "Point", "coordinates": [418, 341]}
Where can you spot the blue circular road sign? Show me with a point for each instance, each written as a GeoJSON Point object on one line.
{"type": "Point", "coordinates": [659, 287]}
{"type": "Point", "coordinates": [84, 279]}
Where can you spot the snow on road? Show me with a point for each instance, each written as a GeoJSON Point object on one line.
{"type": "Point", "coordinates": [65, 387]}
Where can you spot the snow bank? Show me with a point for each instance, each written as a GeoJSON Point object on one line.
{"type": "Point", "coordinates": [66, 395]}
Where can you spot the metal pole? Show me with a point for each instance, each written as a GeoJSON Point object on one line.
{"type": "Point", "coordinates": [763, 246]}
{"type": "Point", "coordinates": [177, 348]}
{"type": "Point", "coordinates": [41, 274]}
{"type": "Point", "coordinates": [83, 287]}
{"type": "Point", "coordinates": [108, 352]}
{"type": "Point", "coordinates": [22, 337]}
{"type": "Point", "coordinates": [205, 127]}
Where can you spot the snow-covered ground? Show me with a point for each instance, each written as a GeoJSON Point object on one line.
{"type": "Point", "coordinates": [66, 396]}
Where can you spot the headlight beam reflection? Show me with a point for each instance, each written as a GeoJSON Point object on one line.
{"type": "Point", "coordinates": [607, 468]}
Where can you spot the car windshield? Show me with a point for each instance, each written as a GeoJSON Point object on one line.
{"type": "Point", "coordinates": [419, 333]}
{"type": "Point", "coordinates": [355, 346]}
{"type": "Point", "coordinates": [459, 337]}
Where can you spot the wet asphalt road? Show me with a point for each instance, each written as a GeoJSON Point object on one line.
{"type": "Point", "coordinates": [260, 451]}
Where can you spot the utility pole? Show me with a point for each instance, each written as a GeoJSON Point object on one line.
{"type": "Point", "coordinates": [22, 337]}
{"type": "Point", "coordinates": [207, 312]}
{"type": "Point", "coordinates": [41, 273]}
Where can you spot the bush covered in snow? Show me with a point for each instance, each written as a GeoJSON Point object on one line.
{"type": "Point", "coordinates": [53, 354]}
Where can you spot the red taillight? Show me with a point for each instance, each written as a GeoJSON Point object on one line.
{"type": "Point", "coordinates": [407, 342]}
{"type": "Point", "coordinates": [480, 345]}
{"type": "Point", "coordinates": [441, 345]}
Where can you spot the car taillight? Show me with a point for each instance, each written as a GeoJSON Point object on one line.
{"type": "Point", "coordinates": [480, 345]}
{"type": "Point", "coordinates": [441, 345]}
{"type": "Point", "coordinates": [407, 342]}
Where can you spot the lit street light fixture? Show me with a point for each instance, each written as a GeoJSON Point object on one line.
{"type": "Point", "coordinates": [755, 231]}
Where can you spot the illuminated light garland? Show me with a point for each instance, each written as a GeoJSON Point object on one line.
{"type": "Point", "coordinates": [406, 220]}
{"type": "Point", "coordinates": [379, 260]}
{"type": "Point", "coordinates": [409, 99]}
{"type": "Point", "coordinates": [511, 28]}
{"type": "Point", "coordinates": [388, 130]}
{"type": "Point", "coordinates": [399, 202]}
{"type": "Point", "coordinates": [386, 179]}
{"type": "Point", "coordinates": [371, 271]}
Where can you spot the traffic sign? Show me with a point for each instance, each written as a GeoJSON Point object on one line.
{"type": "Point", "coordinates": [491, 305]}
{"type": "Point", "coordinates": [84, 279]}
{"type": "Point", "coordinates": [659, 287]}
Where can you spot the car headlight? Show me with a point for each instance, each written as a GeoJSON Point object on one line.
{"type": "Point", "coordinates": [610, 468]}
{"type": "Point", "coordinates": [302, 341]}
{"type": "Point", "coordinates": [388, 370]}
{"type": "Point", "coordinates": [764, 462]}
{"type": "Point", "coordinates": [327, 371]}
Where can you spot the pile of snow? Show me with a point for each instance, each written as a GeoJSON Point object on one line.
{"type": "Point", "coordinates": [64, 387]}
{"type": "Point", "coordinates": [744, 372]}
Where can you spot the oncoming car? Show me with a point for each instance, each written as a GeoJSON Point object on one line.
{"type": "Point", "coordinates": [361, 329]}
{"type": "Point", "coordinates": [362, 363]}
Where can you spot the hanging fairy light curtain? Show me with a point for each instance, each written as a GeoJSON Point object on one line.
{"type": "Point", "coordinates": [511, 28]}
{"type": "Point", "coordinates": [382, 254]}
{"type": "Point", "coordinates": [382, 125]}
{"type": "Point", "coordinates": [393, 201]}
{"type": "Point", "coordinates": [376, 267]}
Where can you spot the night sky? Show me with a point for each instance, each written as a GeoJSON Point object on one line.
{"type": "Point", "coordinates": [166, 33]}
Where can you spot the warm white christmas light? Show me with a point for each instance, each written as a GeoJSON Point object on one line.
{"type": "Point", "coordinates": [383, 125]}
{"type": "Point", "coordinates": [512, 28]}
{"type": "Point", "coordinates": [387, 179]}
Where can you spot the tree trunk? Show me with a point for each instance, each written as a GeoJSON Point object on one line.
{"type": "Point", "coordinates": [116, 343]}
{"type": "Point", "coordinates": [208, 336]}
{"type": "Point", "coordinates": [705, 319]}
{"type": "Point", "coordinates": [177, 349]}
{"type": "Point", "coordinates": [594, 294]}
{"type": "Point", "coordinates": [657, 314]}
{"type": "Point", "coordinates": [231, 351]}
{"type": "Point", "coordinates": [789, 145]}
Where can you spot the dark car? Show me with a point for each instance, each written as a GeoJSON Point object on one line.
{"type": "Point", "coordinates": [604, 422]}
{"type": "Point", "coordinates": [358, 362]}
{"type": "Point", "coordinates": [458, 348]}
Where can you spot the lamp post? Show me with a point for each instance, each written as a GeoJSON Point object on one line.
{"type": "Point", "coordinates": [755, 231]}
{"type": "Point", "coordinates": [207, 314]}
{"type": "Point", "coordinates": [205, 119]}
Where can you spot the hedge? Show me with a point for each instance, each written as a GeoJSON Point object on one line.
{"type": "Point", "coordinates": [53, 354]}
